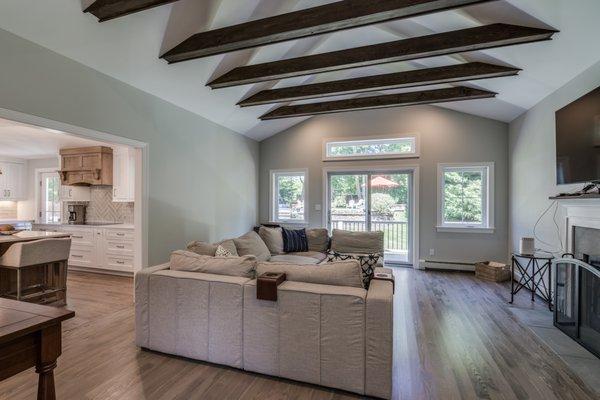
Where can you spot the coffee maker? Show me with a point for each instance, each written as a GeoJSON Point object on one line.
{"type": "Point", "coordinates": [76, 214]}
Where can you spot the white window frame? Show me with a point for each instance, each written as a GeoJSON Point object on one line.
{"type": "Point", "coordinates": [488, 223]}
{"type": "Point", "coordinates": [367, 140]}
{"type": "Point", "coordinates": [274, 203]}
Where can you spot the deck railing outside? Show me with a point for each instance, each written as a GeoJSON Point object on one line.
{"type": "Point", "coordinates": [395, 232]}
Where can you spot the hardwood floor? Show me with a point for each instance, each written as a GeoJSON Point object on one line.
{"type": "Point", "coordinates": [455, 338]}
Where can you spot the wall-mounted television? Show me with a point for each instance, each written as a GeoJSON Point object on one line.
{"type": "Point", "coordinates": [578, 140]}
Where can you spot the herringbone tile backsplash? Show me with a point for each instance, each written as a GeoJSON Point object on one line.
{"type": "Point", "coordinates": [101, 208]}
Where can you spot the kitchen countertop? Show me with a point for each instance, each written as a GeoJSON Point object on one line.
{"type": "Point", "coordinates": [101, 225]}
{"type": "Point", "coordinates": [15, 221]}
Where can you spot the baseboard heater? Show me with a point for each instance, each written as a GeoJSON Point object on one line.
{"type": "Point", "coordinates": [447, 265]}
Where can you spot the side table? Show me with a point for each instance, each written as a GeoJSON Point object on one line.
{"type": "Point", "coordinates": [532, 276]}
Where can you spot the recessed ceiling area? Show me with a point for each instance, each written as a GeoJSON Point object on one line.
{"type": "Point", "coordinates": [128, 49]}
{"type": "Point", "coordinates": [31, 142]}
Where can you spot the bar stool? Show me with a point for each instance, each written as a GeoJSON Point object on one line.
{"type": "Point", "coordinates": [40, 269]}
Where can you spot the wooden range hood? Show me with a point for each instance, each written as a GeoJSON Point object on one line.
{"type": "Point", "coordinates": [87, 166]}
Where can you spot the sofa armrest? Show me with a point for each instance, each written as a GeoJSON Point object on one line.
{"type": "Point", "coordinates": [141, 281]}
{"type": "Point", "coordinates": [379, 337]}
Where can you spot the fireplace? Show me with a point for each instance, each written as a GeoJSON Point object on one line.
{"type": "Point", "coordinates": [577, 290]}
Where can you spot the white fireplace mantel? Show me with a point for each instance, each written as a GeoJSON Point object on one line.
{"type": "Point", "coordinates": [583, 212]}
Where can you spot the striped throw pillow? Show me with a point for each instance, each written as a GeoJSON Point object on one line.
{"type": "Point", "coordinates": [294, 241]}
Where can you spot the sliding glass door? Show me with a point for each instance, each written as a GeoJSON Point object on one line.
{"type": "Point", "coordinates": [374, 201]}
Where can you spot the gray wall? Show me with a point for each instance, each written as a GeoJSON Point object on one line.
{"type": "Point", "coordinates": [532, 152]}
{"type": "Point", "coordinates": [203, 177]}
{"type": "Point", "coordinates": [446, 136]}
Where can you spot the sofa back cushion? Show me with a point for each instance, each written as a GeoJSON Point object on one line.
{"type": "Point", "coordinates": [343, 273]}
{"type": "Point", "coordinates": [357, 242]}
{"type": "Point", "coordinates": [252, 244]}
{"type": "Point", "coordinates": [273, 238]}
{"type": "Point", "coordinates": [318, 239]}
{"type": "Point", "coordinates": [182, 260]}
{"type": "Point", "coordinates": [294, 241]}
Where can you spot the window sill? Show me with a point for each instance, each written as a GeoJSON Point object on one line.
{"type": "Point", "coordinates": [465, 229]}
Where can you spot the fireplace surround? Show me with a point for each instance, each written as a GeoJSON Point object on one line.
{"type": "Point", "coordinates": [577, 288]}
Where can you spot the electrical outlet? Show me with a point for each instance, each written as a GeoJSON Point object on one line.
{"type": "Point", "coordinates": [317, 207]}
{"type": "Point", "coordinates": [432, 252]}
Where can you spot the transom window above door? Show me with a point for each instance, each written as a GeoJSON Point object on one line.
{"type": "Point", "coordinates": [466, 197]}
{"type": "Point", "coordinates": [288, 196]}
{"type": "Point", "coordinates": [398, 146]}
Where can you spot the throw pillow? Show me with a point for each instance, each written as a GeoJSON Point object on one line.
{"type": "Point", "coordinates": [318, 240]}
{"type": "Point", "coordinates": [252, 244]}
{"type": "Point", "coordinates": [294, 241]}
{"type": "Point", "coordinates": [273, 238]}
{"type": "Point", "coordinates": [182, 260]}
{"type": "Point", "coordinates": [357, 242]}
{"type": "Point", "coordinates": [229, 245]}
{"type": "Point", "coordinates": [343, 273]}
{"type": "Point", "coordinates": [222, 252]}
{"type": "Point", "coordinates": [202, 248]}
{"type": "Point", "coordinates": [367, 262]}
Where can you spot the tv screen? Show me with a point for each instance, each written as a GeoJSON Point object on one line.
{"type": "Point", "coordinates": [578, 140]}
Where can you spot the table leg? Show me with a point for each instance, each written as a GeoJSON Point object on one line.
{"type": "Point", "coordinates": [534, 264]}
{"type": "Point", "coordinates": [512, 280]}
{"type": "Point", "coordinates": [50, 349]}
{"type": "Point", "coordinates": [18, 284]}
{"type": "Point", "coordinates": [549, 285]}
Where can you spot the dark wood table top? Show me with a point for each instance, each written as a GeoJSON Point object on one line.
{"type": "Point", "coordinates": [18, 318]}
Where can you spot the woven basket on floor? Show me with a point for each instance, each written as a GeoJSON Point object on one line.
{"type": "Point", "coordinates": [492, 271]}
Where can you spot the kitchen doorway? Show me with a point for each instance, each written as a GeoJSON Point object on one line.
{"type": "Point", "coordinates": [375, 200]}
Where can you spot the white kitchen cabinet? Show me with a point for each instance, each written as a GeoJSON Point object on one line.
{"type": "Point", "coordinates": [12, 185]}
{"type": "Point", "coordinates": [75, 193]}
{"type": "Point", "coordinates": [123, 175]}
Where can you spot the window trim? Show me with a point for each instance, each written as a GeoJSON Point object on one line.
{"type": "Point", "coordinates": [273, 204]}
{"type": "Point", "coordinates": [327, 141]}
{"type": "Point", "coordinates": [488, 223]}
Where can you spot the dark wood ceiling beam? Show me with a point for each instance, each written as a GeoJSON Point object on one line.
{"type": "Point", "coordinates": [399, 80]}
{"type": "Point", "coordinates": [303, 23]}
{"type": "Point", "coordinates": [387, 101]}
{"type": "Point", "coordinates": [483, 37]}
{"type": "Point", "coordinates": [109, 9]}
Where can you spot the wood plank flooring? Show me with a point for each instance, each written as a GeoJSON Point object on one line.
{"type": "Point", "coordinates": [455, 338]}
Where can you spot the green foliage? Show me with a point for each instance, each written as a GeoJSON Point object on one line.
{"type": "Point", "coordinates": [382, 203]}
{"type": "Point", "coordinates": [462, 197]}
{"type": "Point", "coordinates": [370, 149]}
{"type": "Point", "coordinates": [290, 189]}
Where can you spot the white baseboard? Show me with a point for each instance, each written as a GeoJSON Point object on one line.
{"type": "Point", "coordinates": [447, 265]}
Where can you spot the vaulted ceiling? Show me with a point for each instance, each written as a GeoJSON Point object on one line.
{"type": "Point", "coordinates": [128, 48]}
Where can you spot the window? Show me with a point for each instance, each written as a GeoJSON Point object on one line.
{"type": "Point", "coordinates": [466, 199]}
{"type": "Point", "coordinates": [50, 210]}
{"type": "Point", "coordinates": [288, 196]}
{"type": "Point", "coordinates": [392, 147]}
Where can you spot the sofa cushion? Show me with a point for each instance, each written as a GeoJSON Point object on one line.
{"type": "Point", "coordinates": [223, 252]}
{"type": "Point", "coordinates": [367, 262]}
{"type": "Point", "coordinates": [310, 254]}
{"type": "Point", "coordinates": [294, 259]}
{"type": "Point", "coordinates": [343, 273]}
{"type": "Point", "coordinates": [232, 266]}
{"type": "Point", "coordinates": [318, 239]}
{"type": "Point", "coordinates": [294, 240]}
{"type": "Point", "coordinates": [273, 238]}
{"type": "Point", "coordinates": [357, 242]}
{"type": "Point", "coordinates": [252, 244]}
{"type": "Point", "coordinates": [210, 249]}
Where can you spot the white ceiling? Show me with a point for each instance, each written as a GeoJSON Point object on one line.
{"type": "Point", "coordinates": [30, 142]}
{"type": "Point", "coordinates": [128, 48]}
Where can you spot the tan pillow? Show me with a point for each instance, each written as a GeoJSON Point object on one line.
{"type": "Point", "coordinates": [229, 245]}
{"type": "Point", "coordinates": [357, 242]}
{"type": "Point", "coordinates": [252, 244]}
{"type": "Point", "coordinates": [342, 273]}
{"type": "Point", "coordinates": [182, 260]}
{"type": "Point", "coordinates": [272, 238]}
{"type": "Point", "coordinates": [318, 240]}
{"type": "Point", "coordinates": [202, 248]}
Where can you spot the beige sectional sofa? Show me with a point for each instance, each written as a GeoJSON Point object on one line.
{"type": "Point", "coordinates": [337, 334]}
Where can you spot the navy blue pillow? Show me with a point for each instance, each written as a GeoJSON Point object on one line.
{"type": "Point", "coordinates": [294, 241]}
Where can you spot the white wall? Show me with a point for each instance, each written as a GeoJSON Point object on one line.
{"type": "Point", "coordinates": [532, 152]}
{"type": "Point", "coordinates": [203, 177]}
{"type": "Point", "coordinates": [26, 208]}
{"type": "Point", "coordinates": [446, 136]}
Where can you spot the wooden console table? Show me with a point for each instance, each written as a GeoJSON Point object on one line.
{"type": "Point", "coordinates": [30, 336]}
